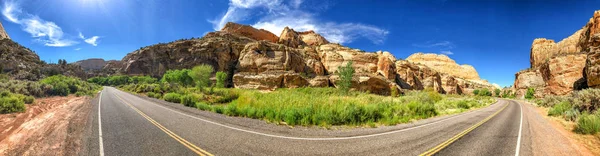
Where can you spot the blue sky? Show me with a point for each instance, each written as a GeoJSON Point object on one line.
{"type": "Point", "coordinates": [494, 36]}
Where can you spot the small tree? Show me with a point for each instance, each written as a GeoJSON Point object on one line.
{"type": "Point", "coordinates": [476, 92]}
{"type": "Point", "coordinates": [497, 92]}
{"type": "Point", "coordinates": [221, 76]}
{"type": "Point", "coordinates": [530, 93]}
{"type": "Point", "coordinates": [201, 75]}
{"type": "Point", "coordinates": [346, 73]}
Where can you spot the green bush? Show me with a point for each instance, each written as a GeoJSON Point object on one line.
{"type": "Point", "coordinates": [180, 77]}
{"type": "Point", "coordinates": [172, 97]}
{"type": "Point", "coordinates": [588, 123]}
{"type": "Point", "coordinates": [530, 93]}
{"type": "Point", "coordinates": [28, 99]}
{"type": "Point", "coordinates": [188, 100]}
{"type": "Point", "coordinates": [9, 104]}
{"type": "Point", "coordinates": [203, 106]}
{"type": "Point", "coordinates": [346, 73]}
{"type": "Point", "coordinates": [151, 94]}
{"type": "Point", "coordinates": [559, 109]}
{"type": "Point", "coordinates": [497, 92]}
{"type": "Point", "coordinates": [476, 92]}
{"type": "Point", "coordinates": [221, 76]}
{"type": "Point", "coordinates": [586, 100]}
{"type": "Point", "coordinates": [201, 75]}
{"type": "Point", "coordinates": [61, 89]}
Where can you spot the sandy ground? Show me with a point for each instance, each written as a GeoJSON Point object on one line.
{"type": "Point", "coordinates": [50, 126]}
{"type": "Point", "coordinates": [584, 144]}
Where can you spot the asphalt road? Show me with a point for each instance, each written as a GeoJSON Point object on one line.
{"type": "Point", "coordinates": [134, 125]}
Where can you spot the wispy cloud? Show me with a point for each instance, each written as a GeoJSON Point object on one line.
{"type": "Point", "coordinates": [46, 32]}
{"type": "Point", "coordinates": [441, 44]}
{"type": "Point", "coordinates": [92, 40]}
{"type": "Point", "coordinates": [281, 14]}
{"type": "Point", "coordinates": [447, 52]}
{"type": "Point", "coordinates": [77, 49]}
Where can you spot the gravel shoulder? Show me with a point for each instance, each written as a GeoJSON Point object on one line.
{"type": "Point", "coordinates": [50, 126]}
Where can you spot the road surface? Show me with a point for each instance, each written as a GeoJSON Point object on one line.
{"type": "Point", "coordinates": [126, 124]}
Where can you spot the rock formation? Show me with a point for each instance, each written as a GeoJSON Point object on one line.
{"type": "Point", "coordinates": [444, 64]}
{"type": "Point", "coordinates": [3, 33]}
{"type": "Point", "coordinates": [255, 59]}
{"type": "Point", "coordinates": [249, 31]}
{"type": "Point", "coordinates": [92, 64]}
{"type": "Point", "coordinates": [568, 65]}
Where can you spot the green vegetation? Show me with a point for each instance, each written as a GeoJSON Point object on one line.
{"type": "Point", "coordinates": [221, 76]}
{"type": "Point", "coordinates": [581, 106]}
{"type": "Point", "coordinates": [180, 77]}
{"type": "Point", "coordinates": [530, 93]}
{"type": "Point", "coordinates": [172, 97]}
{"type": "Point", "coordinates": [122, 80]}
{"type": "Point", "coordinates": [497, 92]}
{"type": "Point", "coordinates": [63, 85]}
{"type": "Point", "coordinates": [346, 73]}
{"type": "Point", "coordinates": [476, 92]}
{"type": "Point", "coordinates": [201, 75]}
{"type": "Point", "coordinates": [11, 104]}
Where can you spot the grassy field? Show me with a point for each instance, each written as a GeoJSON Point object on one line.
{"type": "Point", "coordinates": [317, 106]}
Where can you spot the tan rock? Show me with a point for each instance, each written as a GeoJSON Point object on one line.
{"type": "Point", "coordinates": [564, 73]}
{"type": "Point", "coordinates": [444, 64]}
{"type": "Point", "coordinates": [417, 77]}
{"type": "Point", "coordinates": [294, 80]}
{"type": "Point", "coordinates": [264, 56]}
{"type": "Point", "coordinates": [262, 81]}
{"type": "Point", "coordinates": [334, 55]}
{"type": "Point", "coordinates": [529, 79]}
{"type": "Point", "coordinates": [250, 32]}
{"type": "Point", "coordinates": [313, 39]}
{"type": "Point", "coordinates": [290, 38]}
{"type": "Point", "coordinates": [3, 33]}
{"type": "Point", "coordinates": [319, 81]}
{"type": "Point", "coordinates": [367, 83]}
{"type": "Point", "coordinates": [386, 65]}
{"type": "Point", "coordinates": [592, 69]}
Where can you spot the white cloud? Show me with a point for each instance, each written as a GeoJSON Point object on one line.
{"type": "Point", "coordinates": [441, 44]}
{"type": "Point", "coordinates": [81, 35]}
{"type": "Point", "coordinates": [77, 49]}
{"type": "Point", "coordinates": [43, 31]}
{"type": "Point", "coordinates": [92, 40]}
{"type": "Point", "coordinates": [281, 14]}
{"type": "Point", "coordinates": [447, 52]}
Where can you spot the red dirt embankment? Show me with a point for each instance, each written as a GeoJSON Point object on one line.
{"type": "Point", "coordinates": [50, 126]}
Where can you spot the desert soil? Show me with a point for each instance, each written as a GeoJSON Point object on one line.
{"type": "Point", "coordinates": [50, 126]}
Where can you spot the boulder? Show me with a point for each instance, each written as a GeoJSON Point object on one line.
{"type": "Point", "coordinates": [563, 74]}
{"type": "Point", "coordinates": [319, 81]}
{"type": "Point", "coordinates": [262, 81]}
{"type": "Point", "coordinates": [367, 83]}
{"type": "Point", "coordinates": [592, 69]}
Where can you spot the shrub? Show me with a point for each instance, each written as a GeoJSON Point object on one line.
{"type": "Point", "coordinates": [28, 99]}
{"type": "Point", "coordinates": [151, 94]}
{"type": "Point", "coordinates": [497, 92]}
{"type": "Point", "coordinates": [61, 89]}
{"type": "Point", "coordinates": [172, 97]}
{"type": "Point", "coordinates": [586, 100]}
{"type": "Point", "coordinates": [530, 93]}
{"type": "Point", "coordinates": [180, 77]}
{"type": "Point", "coordinates": [203, 106]}
{"type": "Point", "coordinates": [559, 109]}
{"type": "Point", "coordinates": [588, 123]}
{"type": "Point", "coordinates": [201, 75]}
{"type": "Point", "coordinates": [346, 73]}
{"type": "Point", "coordinates": [188, 100]}
{"type": "Point", "coordinates": [476, 92]}
{"type": "Point", "coordinates": [485, 92]}
{"type": "Point", "coordinates": [463, 105]}
{"type": "Point", "coordinates": [550, 101]}
{"type": "Point", "coordinates": [11, 104]}
{"type": "Point", "coordinates": [221, 76]}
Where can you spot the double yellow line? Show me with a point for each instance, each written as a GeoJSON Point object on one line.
{"type": "Point", "coordinates": [459, 135]}
{"type": "Point", "coordinates": [187, 144]}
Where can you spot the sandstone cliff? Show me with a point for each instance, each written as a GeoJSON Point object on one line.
{"type": "Point", "coordinates": [444, 64]}
{"type": "Point", "coordinates": [254, 59]}
{"type": "Point", "coordinates": [559, 68]}
{"type": "Point", "coordinates": [3, 33]}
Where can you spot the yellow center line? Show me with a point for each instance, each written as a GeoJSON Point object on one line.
{"type": "Point", "coordinates": [459, 135]}
{"type": "Point", "coordinates": [184, 142]}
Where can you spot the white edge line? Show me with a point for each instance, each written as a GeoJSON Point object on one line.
{"type": "Point", "coordinates": [520, 130]}
{"type": "Point", "coordinates": [311, 139]}
{"type": "Point", "coordinates": [100, 144]}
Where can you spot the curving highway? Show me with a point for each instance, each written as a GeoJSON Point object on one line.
{"type": "Point", "coordinates": [126, 124]}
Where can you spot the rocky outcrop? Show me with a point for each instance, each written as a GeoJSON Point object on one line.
{"type": "Point", "coordinates": [529, 79]}
{"type": "Point", "coordinates": [334, 56]}
{"type": "Point", "coordinates": [312, 39]}
{"type": "Point", "coordinates": [444, 64]}
{"type": "Point", "coordinates": [3, 33]}
{"type": "Point", "coordinates": [290, 38]}
{"type": "Point", "coordinates": [92, 64]}
{"type": "Point", "coordinates": [417, 77]}
{"type": "Point", "coordinates": [19, 62]}
{"type": "Point", "coordinates": [592, 69]}
{"type": "Point", "coordinates": [367, 83]}
{"type": "Point", "coordinates": [563, 74]}
{"type": "Point", "coordinates": [250, 32]}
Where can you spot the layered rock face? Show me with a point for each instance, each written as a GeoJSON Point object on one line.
{"type": "Point", "coordinates": [295, 59]}
{"type": "Point", "coordinates": [444, 64]}
{"type": "Point", "coordinates": [92, 64]}
{"type": "Point", "coordinates": [249, 31]}
{"type": "Point", "coordinates": [3, 33]}
{"type": "Point", "coordinates": [568, 65]}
